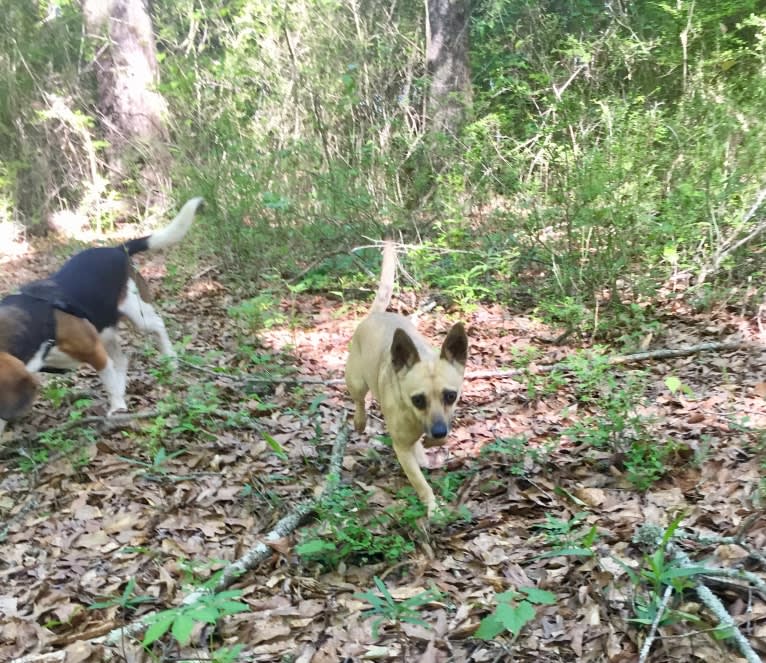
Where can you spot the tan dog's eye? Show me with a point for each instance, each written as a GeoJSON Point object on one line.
{"type": "Point", "coordinates": [449, 397]}
{"type": "Point", "coordinates": [419, 401]}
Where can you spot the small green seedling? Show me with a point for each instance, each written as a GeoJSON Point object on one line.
{"type": "Point", "coordinates": [386, 608]}
{"type": "Point", "coordinates": [568, 537]}
{"type": "Point", "coordinates": [514, 610]}
{"type": "Point", "coordinates": [126, 601]}
{"type": "Point", "coordinates": [180, 621]}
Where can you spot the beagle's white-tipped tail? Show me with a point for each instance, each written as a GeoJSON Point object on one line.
{"type": "Point", "coordinates": [175, 231]}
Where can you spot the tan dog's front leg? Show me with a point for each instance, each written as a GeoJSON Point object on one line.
{"type": "Point", "coordinates": [360, 416]}
{"type": "Point", "coordinates": [407, 455]}
{"type": "Point", "coordinates": [358, 389]}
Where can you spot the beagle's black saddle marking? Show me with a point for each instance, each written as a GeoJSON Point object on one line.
{"type": "Point", "coordinates": [71, 318]}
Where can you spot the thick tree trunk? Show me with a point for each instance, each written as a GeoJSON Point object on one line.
{"type": "Point", "coordinates": [448, 64]}
{"type": "Point", "coordinates": [131, 109]}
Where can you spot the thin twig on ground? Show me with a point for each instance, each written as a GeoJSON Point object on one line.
{"type": "Point", "coordinates": [662, 353]}
{"type": "Point", "coordinates": [655, 624]}
{"type": "Point", "coordinates": [723, 541]}
{"type": "Point", "coordinates": [118, 420]}
{"type": "Point", "coordinates": [741, 574]}
{"type": "Point", "coordinates": [653, 535]}
{"type": "Point", "coordinates": [236, 569]}
{"type": "Point", "coordinates": [48, 657]}
{"type": "Point", "coordinates": [106, 423]}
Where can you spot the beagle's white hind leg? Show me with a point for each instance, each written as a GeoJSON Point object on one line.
{"type": "Point", "coordinates": [145, 318]}
{"type": "Point", "coordinates": [115, 373]}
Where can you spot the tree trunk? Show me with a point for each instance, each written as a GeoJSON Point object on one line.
{"type": "Point", "coordinates": [131, 110]}
{"type": "Point", "coordinates": [448, 63]}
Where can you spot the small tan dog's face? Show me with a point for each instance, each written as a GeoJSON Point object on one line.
{"type": "Point", "coordinates": [430, 388]}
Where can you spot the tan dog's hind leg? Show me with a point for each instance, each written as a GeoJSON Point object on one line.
{"type": "Point", "coordinates": [357, 389]}
{"type": "Point", "coordinates": [408, 459]}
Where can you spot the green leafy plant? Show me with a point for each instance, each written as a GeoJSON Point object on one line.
{"type": "Point", "coordinates": [190, 412]}
{"type": "Point", "coordinates": [349, 531]}
{"type": "Point", "coordinates": [568, 537]}
{"type": "Point", "coordinates": [163, 368]}
{"type": "Point", "coordinates": [615, 420]}
{"type": "Point", "coordinates": [126, 601]}
{"type": "Point", "coordinates": [645, 461]}
{"type": "Point", "coordinates": [67, 441]}
{"type": "Point", "coordinates": [200, 406]}
{"type": "Point", "coordinates": [656, 573]}
{"type": "Point", "coordinates": [157, 467]}
{"type": "Point", "coordinates": [514, 610]}
{"type": "Point", "coordinates": [256, 313]}
{"type": "Point", "coordinates": [180, 621]}
{"type": "Point", "coordinates": [385, 608]}
{"type": "Point", "coordinates": [514, 455]}
{"type": "Point", "coordinates": [56, 391]}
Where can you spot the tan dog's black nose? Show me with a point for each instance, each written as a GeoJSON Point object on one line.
{"type": "Point", "coordinates": [439, 429]}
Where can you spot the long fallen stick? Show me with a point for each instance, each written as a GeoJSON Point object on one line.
{"type": "Point", "coordinates": [663, 353]}
{"type": "Point", "coordinates": [258, 553]}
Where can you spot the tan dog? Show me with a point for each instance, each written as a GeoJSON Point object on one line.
{"type": "Point", "coordinates": [415, 386]}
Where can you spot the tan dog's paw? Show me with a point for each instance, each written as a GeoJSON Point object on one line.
{"type": "Point", "coordinates": [430, 503]}
{"type": "Point", "coordinates": [360, 422]}
{"type": "Point", "coordinates": [431, 510]}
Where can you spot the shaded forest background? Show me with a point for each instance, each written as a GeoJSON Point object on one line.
{"type": "Point", "coordinates": [604, 148]}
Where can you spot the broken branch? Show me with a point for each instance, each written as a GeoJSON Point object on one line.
{"type": "Point", "coordinates": [655, 624]}
{"type": "Point", "coordinates": [663, 353]}
{"type": "Point", "coordinates": [713, 603]}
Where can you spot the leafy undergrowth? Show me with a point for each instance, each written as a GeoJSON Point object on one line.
{"type": "Point", "coordinates": [546, 482]}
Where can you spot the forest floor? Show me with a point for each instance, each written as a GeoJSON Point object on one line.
{"type": "Point", "coordinates": [539, 481]}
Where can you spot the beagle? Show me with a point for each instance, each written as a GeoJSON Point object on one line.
{"type": "Point", "coordinates": [71, 318]}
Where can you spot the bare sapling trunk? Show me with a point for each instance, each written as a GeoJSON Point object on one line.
{"type": "Point", "coordinates": [131, 109]}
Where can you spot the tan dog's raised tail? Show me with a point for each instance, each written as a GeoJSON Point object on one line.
{"type": "Point", "coordinates": [416, 386]}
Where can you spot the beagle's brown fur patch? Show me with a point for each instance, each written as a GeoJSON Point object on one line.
{"type": "Point", "coordinates": [18, 387]}
{"type": "Point", "coordinates": [79, 339]}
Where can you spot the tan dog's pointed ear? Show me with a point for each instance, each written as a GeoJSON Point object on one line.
{"type": "Point", "coordinates": [455, 346]}
{"type": "Point", "coordinates": [404, 354]}
{"type": "Point", "coordinates": [18, 387]}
